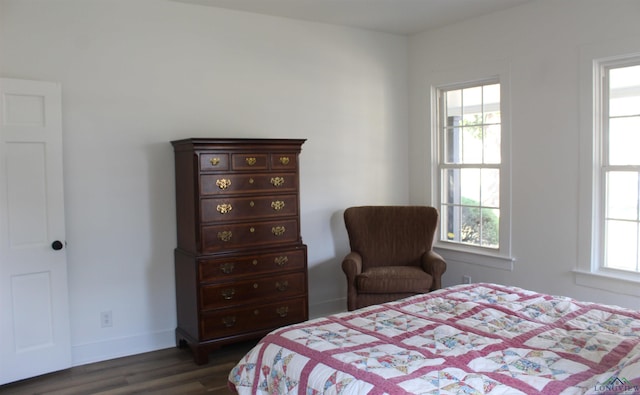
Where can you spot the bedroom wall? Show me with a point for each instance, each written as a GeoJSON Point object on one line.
{"type": "Point", "coordinates": [138, 74]}
{"type": "Point", "coordinates": [541, 43]}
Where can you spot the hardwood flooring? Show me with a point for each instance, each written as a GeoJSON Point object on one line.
{"type": "Point", "coordinates": [170, 371]}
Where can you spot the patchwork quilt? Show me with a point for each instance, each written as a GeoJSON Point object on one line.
{"type": "Point", "coordinates": [466, 339]}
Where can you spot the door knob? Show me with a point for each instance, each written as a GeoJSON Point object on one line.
{"type": "Point", "coordinates": [57, 245]}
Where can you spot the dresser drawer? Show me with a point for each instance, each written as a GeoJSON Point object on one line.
{"type": "Point", "coordinates": [288, 161]}
{"type": "Point", "coordinates": [218, 184]}
{"type": "Point", "coordinates": [233, 267]}
{"type": "Point", "coordinates": [242, 162]}
{"type": "Point", "coordinates": [214, 296]}
{"type": "Point", "coordinates": [250, 234]}
{"type": "Point", "coordinates": [237, 208]}
{"type": "Point", "coordinates": [214, 162]}
{"type": "Point", "coordinates": [228, 322]}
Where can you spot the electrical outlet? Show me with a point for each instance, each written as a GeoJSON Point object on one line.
{"type": "Point", "coordinates": [466, 279]}
{"type": "Point", "coordinates": [106, 320]}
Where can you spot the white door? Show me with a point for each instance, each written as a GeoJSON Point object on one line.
{"type": "Point", "coordinates": [34, 303]}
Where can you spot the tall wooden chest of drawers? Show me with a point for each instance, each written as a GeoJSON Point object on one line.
{"type": "Point", "coordinates": [240, 264]}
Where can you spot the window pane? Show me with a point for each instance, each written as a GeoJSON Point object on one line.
{"type": "Point", "coordinates": [472, 144]}
{"type": "Point", "coordinates": [492, 144]}
{"type": "Point", "coordinates": [472, 102]}
{"type": "Point", "coordinates": [452, 140]}
{"type": "Point", "coordinates": [624, 140]}
{"type": "Point", "coordinates": [621, 239]}
{"type": "Point", "coordinates": [490, 188]}
{"type": "Point", "coordinates": [454, 103]}
{"type": "Point", "coordinates": [624, 106]}
{"type": "Point", "coordinates": [622, 195]}
{"type": "Point", "coordinates": [624, 91]}
{"type": "Point", "coordinates": [451, 186]}
{"type": "Point", "coordinates": [470, 186]}
{"type": "Point", "coordinates": [450, 218]}
{"type": "Point", "coordinates": [491, 103]}
{"type": "Point", "coordinates": [490, 227]}
{"type": "Point", "coordinates": [470, 225]}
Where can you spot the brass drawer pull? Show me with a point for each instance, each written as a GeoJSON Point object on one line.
{"type": "Point", "coordinates": [282, 311]}
{"type": "Point", "coordinates": [282, 286]}
{"type": "Point", "coordinates": [278, 230]}
{"type": "Point", "coordinates": [281, 260]}
{"type": "Point", "coordinates": [284, 160]}
{"type": "Point", "coordinates": [214, 161]}
{"type": "Point", "coordinates": [225, 235]}
{"type": "Point", "coordinates": [250, 161]}
{"type": "Point", "coordinates": [277, 205]}
{"type": "Point", "coordinates": [227, 267]}
{"type": "Point", "coordinates": [277, 181]}
{"type": "Point", "coordinates": [224, 208]}
{"type": "Point", "coordinates": [223, 183]}
{"type": "Point", "coordinates": [229, 321]}
{"type": "Point", "coordinates": [228, 293]}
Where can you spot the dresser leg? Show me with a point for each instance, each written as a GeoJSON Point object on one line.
{"type": "Point", "coordinates": [200, 355]}
{"type": "Point", "coordinates": [180, 341]}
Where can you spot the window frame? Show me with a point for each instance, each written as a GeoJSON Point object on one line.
{"type": "Point", "coordinates": [603, 135]}
{"type": "Point", "coordinates": [444, 165]}
{"type": "Point", "coordinates": [589, 270]}
{"type": "Point", "coordinates": [499, 258]}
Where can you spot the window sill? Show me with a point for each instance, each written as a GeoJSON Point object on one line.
{"type": "Point", "coordinates": [475, 258]}
{"type": "Point", "coordinates": [613, 282]}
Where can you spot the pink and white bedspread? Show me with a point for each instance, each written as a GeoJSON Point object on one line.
{"type": "Point", "coordinates": [467, 339]}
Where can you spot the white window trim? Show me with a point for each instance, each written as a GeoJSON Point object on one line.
{"type": "Point", "coordinates": [588, 272]}
{"type": "Point", "coordinates": [500, 72]}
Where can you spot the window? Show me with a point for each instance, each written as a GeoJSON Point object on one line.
{"type": "Point", "coordinates": [618, 178]}
{"type": "Point", "coordinates": [469, 139]}
{"type": "Point", "coordinates": [608, 213]}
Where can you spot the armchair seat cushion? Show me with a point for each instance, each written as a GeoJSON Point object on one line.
{"type": "Point", "coordinates": [394, 279]}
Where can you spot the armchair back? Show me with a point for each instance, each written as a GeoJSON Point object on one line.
{"type": "Point", "coordinates": [391, 235]}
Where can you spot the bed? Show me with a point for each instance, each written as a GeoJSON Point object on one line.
{"type": "Point", "coordinates": [466, 339]}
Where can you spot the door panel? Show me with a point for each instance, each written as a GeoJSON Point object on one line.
{"type": "Point", "coordinates": [27, 195]}
{"type": "Point", "coordinates": [34, 306]}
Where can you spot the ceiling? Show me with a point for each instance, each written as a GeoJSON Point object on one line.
{"type": "Point", "coordinates": [405, 17]}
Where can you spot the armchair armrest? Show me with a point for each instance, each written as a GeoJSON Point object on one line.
{"type": "Point", "coordinates": [435, 265]}
{"type": "Point", "coordinates": [352, 266]}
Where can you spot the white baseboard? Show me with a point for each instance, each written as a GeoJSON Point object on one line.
{"type": "Point", "coordinates": [328, 307]}
{"type": "Point", "coordinates": [82, 354]}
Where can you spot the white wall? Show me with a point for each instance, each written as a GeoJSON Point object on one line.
{"type": "Point", "coordinates": [137, 74]}
{"type": "Point", "coordinates": [541, 43]}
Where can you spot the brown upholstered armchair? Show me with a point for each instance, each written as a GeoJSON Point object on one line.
{"type": "Point", "coordinates": [391, 256]}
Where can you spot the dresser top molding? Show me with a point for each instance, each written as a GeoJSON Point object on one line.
{"type": "Point", "coordinates": [237, 144]}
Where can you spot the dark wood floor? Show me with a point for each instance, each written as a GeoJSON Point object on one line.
{"type": "Point", "coordinates": [169, 371]}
